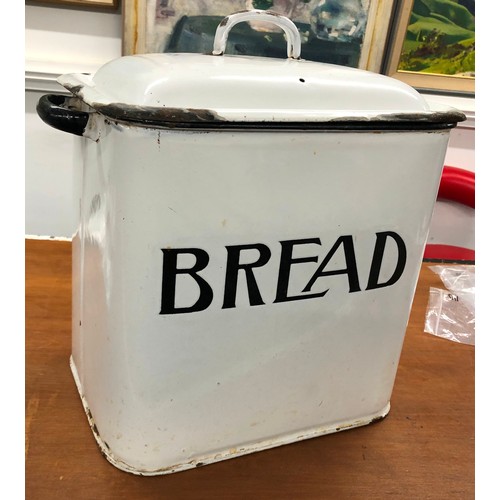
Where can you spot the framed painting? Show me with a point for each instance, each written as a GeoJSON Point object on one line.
{"type": "Point", "coordinates": [433, 45]}
{"type": "Point", "coordinates": [346, 32]}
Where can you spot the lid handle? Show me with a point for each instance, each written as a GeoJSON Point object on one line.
{"type": "Point", "coordinates": [291, 31]}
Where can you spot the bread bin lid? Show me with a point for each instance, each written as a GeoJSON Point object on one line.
{"type": "Point", "coordinates": [200, 90]}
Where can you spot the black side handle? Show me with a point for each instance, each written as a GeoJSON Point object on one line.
{"type": "Point", "coordinates": [54, 111]}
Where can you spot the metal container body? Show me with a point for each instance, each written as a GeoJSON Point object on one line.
{"type": "Point", "coordinates": [236, 290]}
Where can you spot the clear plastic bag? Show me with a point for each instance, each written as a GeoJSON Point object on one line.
{"type": "Point", "coordinates": [451, 313]}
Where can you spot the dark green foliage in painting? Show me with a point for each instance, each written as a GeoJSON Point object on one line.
{"type": "Point", "coordinates": [262, 4]}
{"type": "Point", "coordinates": [267, 4]}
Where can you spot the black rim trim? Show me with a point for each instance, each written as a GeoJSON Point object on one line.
{"type": "Point", "coordinates": [367, 126]}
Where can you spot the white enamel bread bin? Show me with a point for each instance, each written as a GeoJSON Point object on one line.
{"type": "Point", "coordinates": [250, 236]}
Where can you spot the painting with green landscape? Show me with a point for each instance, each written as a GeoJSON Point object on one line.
{"type": "Point", "coordinates": [440, 38]}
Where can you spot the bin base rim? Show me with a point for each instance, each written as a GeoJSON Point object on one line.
{"type": "Point", "coordinates": [229, 453]}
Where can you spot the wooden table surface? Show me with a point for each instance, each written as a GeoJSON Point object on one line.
{"type": "Point", "coordinates": [424, 448]}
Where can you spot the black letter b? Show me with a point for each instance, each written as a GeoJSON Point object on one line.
{"type": "Point", "coordinates": [169, 278]}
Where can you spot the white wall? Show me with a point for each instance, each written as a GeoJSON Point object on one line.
{"type": "Point", "coordinates": [58, 41]}
{"type": "Point", "coordinates": [63, 40]}
{"type": "Point", "coordinates": [461, 148]}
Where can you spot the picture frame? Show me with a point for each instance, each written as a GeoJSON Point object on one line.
{"type": "Point", "coordinates": [400, 56]}
{"type": "Point", "coordinates": [149, 25]}
{"type": "Point", "coordinates": [99, 4]}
